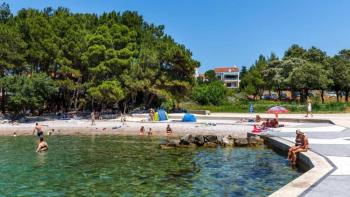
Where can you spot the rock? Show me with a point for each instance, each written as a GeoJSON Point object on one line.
{"type": "Point", "coordinates": [255, 141]}
{"type": "Point", "coordinates": [169, 144]}
{"type": "Point", "coordinates": [210, 145]}
{"type": "Point", "coordinates": [191, 145]}
{"type": "Point", "coordinates": [228, 141]}
{"type": "Point", "coordinates": [199, 140]}
{"type": "Point", "coordinates": [241, 142]}
{"type": "Point", "coordinates": [211, 138]}
{"type": "Point", "coordinates": [187, 139]}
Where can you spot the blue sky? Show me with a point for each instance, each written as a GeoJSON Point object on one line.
{"type": "Point", "coordinates": [231, 32]}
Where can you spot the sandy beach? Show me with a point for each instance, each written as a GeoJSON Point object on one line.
{"type": "Point", "coordinates": [131, 127]}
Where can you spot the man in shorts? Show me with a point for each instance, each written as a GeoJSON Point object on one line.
{"type": "Point", "coordinates": [39, 130]}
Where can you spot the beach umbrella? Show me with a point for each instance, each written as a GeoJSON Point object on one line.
{"type": "Point", "coordinates": [277, 110]}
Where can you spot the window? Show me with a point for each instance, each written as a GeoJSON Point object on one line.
{"type": "Point", "coordinates": [231, 77]}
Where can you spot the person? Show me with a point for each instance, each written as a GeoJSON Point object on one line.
{"type": "Point", "coordinates": [14, 134]}
{"type": "Point", "coordinates": [274, 123]}
{"type": "Point", "coordinates": [150, 131]}
{"type": "Point", "coordinates": [309, 108]}
{"type": "Point", "coordinates": [39, 130]}
{"type": "Point", "coordinates": [42, 146]}
{"type": "Point", "coordinates": [123, 119]}
{"type": "Point", "coordinates": [304, 146]}
{"type": "Point", "coordinates": [296, 145]}
{"type": "Point", "coordinates": [151, 114]}
{"type": "Point", "coordinates": [142, 130]}
{"type": "Point", "coordinates": [257, 118]}
{"type": "Point", "coordinates": [93, 118]}
{"type": "Point", "coordinates": [169, 131]}
{"type": "Point", "coordinates": [266, 124]}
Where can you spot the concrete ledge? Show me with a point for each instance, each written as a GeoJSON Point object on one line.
{"type": "Point", "coordinates": [317, 167]}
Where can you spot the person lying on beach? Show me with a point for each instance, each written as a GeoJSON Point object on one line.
{"type": "Point", "coordinates": [150, 131]}
{"type": "Point", "coordinates": [169, 131]}
{"type": "Point", "coordinates": [296, 146]}
{"type": "Point", "coordinates": [304, 146]}
{"type": "Point", "coordinates": [142, 130]}
{"type": "Point", "coordinates": [42, 146]}
{"type": "Point", "coordinates": [38, 129]}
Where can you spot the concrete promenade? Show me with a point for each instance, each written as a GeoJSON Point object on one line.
{"type": "Point", "coordinates": [330, 140]}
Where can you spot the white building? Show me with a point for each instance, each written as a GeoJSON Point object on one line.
{"type": "Point", "coordinates": [229, 75]}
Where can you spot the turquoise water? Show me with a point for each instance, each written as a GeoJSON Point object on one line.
{"type": "Point", "coordinates": [136, 166]}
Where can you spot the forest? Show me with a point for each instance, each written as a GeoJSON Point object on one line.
{"type": "Point", "coordinates": [55, 60]}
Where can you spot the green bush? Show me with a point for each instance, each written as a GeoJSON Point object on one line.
{"type": "Point", "coordinates": [213, 93]}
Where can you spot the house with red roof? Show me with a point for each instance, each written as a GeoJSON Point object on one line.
{"type": "Point", "coordinates": [229, 75]}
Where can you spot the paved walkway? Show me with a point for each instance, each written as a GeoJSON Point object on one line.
{"type": "Point", "coordinates": [332, 142]}
{"type": "Point", "coordinates": [329, 140]}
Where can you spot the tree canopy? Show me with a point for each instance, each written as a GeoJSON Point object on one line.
{"type": "Point", "coordinates": [299, 70]}
{"type": "Point", "coordinates": [112, 59]}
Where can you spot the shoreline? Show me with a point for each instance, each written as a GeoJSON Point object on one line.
{"type": "Point", "coordinates": [115, 127]}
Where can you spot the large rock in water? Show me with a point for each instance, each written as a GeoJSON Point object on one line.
{"type": "Point", "coordinates": [170, 144]}
{"type": "Point", "coordinates": [241, 142]}
{"type": "Point", "coordinates": [187, 139]}
{"type": "Point", "coordinates": [210, 145]}
{"type": "Point", "coordinates": [199, 140]}
{"type": "Point", "coordinates": [228, 140]}
{"type": "Point", "coordinates": [211, 138]}
{"type": "Point", "coordinates": [255, 141]}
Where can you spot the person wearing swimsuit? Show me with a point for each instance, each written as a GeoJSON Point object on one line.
{"type": "Point", "coordinates": [297, 144]}
{"type": "Point", "coordinates": [169, 131]}
{"type": "Point", "coordinates": [304, 146]}
{"type": "Point", "coordinates": [42, 146]}
{"type": "Point", "coordinates": [38, 129]}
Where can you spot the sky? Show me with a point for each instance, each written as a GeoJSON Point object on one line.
{"type": "Point", "coordinates": [231, 32]}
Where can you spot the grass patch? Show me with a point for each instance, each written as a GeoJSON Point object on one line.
{"type": "Point", "coordinates": [262, 106]}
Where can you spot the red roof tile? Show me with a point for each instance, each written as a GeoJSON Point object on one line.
{"type": "Point", "coordinates": [226, 69]}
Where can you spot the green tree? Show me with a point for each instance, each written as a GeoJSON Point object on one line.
{"type": "Point", "coordinates": [210, 75]}
{"type": "Point", "coordinates": [29, 92]}
{"type": "Point", "coordinates": [309, 76]}
{"type": "Point", "coordinates": [107, 93]}
{"type": "Point", "coordinates": [212, 93]}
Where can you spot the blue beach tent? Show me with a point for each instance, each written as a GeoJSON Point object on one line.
{"type": "Point", "coordinates": [162, 115]}
{"type": "Point", "coordinates": [189, 118]}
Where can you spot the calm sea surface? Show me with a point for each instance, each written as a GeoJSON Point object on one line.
{"type": "Point", "coordinates": [136, 166]}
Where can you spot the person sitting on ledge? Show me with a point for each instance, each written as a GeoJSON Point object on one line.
{"type": "Point", "coordinates": [142, 130]}
{"type": "Point", "coordinates": [304, 146]}
{"type": "Point", "coordinates": [296, 146]}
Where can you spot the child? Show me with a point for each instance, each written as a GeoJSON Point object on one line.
{"type": "Point", "coordinates": [169, 131]}
{"type": "Point", "coordinates": [142, 130]}
{"type": "Point", "coordinates": [150, 131]}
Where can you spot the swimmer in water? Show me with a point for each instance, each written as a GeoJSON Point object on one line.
{"type": "Point", "coordinates": [150, 131]}
{"type": "Point", "coordinates": [169, 131]}
{"type": "Point", "coordinates": [142, 130]}
{"type": "Point", "coordinates": [42, 146]}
